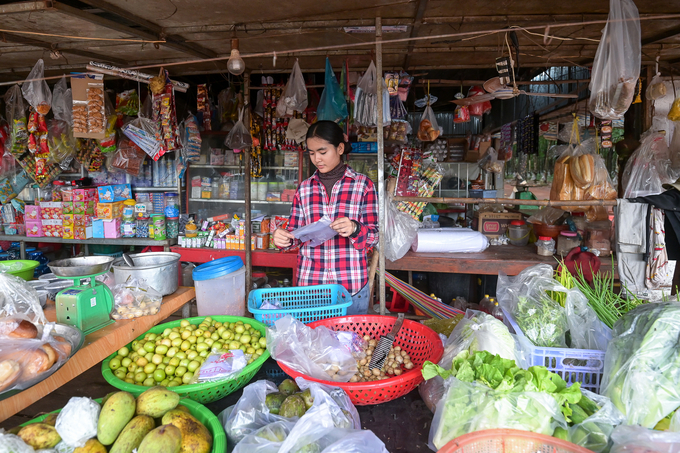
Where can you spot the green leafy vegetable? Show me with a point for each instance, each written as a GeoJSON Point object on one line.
{"type": "Point", "coordinates": [543, 321]}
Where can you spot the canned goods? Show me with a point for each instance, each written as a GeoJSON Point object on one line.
{"type": "Point", "coordinates": [158, 221]}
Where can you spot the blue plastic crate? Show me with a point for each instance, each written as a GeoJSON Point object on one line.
{"type": "Point", "coordinates": [572, 365]}
{"type": "Point", "coordinates": [304, 303]}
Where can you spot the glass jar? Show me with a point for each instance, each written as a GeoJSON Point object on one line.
{"type": "Point", "coordinates": [518, 233]}
{"type": "Point", "coordinates": [171, 204]}
{"type": "Point", "coordinates": [566, 241]}
{"type": "Point", "coordinates": [598, 236]}
{"type": "Point", "coordinates": [172, 227]}
{"type": "Point", "coordinates": [158, 221]}
{"type": "Point", "coordinates": [129, 209]}
{"type": "Point", "coordinates": [142, 228]}
{"type": "Point", "coordinates": [128, 227]}
{"type": "Point", "coordinates": [545, 246]}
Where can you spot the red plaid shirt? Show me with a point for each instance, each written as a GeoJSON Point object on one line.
{"type": "Point", "coordinates": [339, 260]}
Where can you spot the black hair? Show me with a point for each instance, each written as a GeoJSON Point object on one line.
{"type": "Point", "coordinates": [330, 132]}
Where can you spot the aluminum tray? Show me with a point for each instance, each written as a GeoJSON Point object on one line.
{"type": "Point", "coordinates": [81, 266]}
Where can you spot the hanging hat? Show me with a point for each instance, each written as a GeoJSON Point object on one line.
{"type": "Point", "coordinates": [297, 130]}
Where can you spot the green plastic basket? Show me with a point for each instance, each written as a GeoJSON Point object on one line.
{"type": "Point", "coordinates": [205, 392]}
{"type": "Point", "coordinates": [25, 271]}
{"type": "Point", "coordinates": [198, 410]}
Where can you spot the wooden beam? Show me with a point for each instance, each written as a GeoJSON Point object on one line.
{"type": "Point", "coordinates": [417, 22]}
{"type": "Point", "coordinates": [172, 41]}
{"type": "Point", "coordinates": [25, 7]}
{"type": "Point", "coordinates": [55, 46]}
{"type": "Point", "coordinates": [661, 36]}
{"type": "Point", "coordinates": [454, 83]}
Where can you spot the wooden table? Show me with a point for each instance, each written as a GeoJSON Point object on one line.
{"type": "Point", "coordinates": [507, 258]}
{"type": "Point", "coordinates": [97, 346]}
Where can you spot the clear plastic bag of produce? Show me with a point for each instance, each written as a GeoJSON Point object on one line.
{"type": "Point", "coordinates": [321, 439]}
{"type": "Point", "coordinates": [315, 353]}
{"type": "Point", "coordinates": [61, 142]}
{"type": "Point", "coordinates": [35, 89]}
{"type": "Point", "coordinates": [11, 443]}
{"type": "Point", "coordinates": [332, 104]}
{"type": "Point", "coordinates": [77, 421]}
{"type": "Point", "coordinates": [647, 169]}
{"type": "Point", "coordinates": [428, 130]}
{"type": "Point", "coordinates": [400, 231]}
{"type": "Point", "coordinates": [17, 298]}
{"type": "Point", "coordinates": [267, 439]}
{"type": "Point", "coordinates": [595, 431]}
{"type": "Point", "coordinates": [525, 296]}
{"type": "Point", "coordinates": [294, 97]}
{"type": "Point", "coordinates": [239, 136]}
{"type": "Point", "coordinates": [642, 364]}
{"type": "Point", "coordinates": [366, 99]}
{"type": "Point", "coordinates": [616, 67]}
{"type": "Point", "coordinates": [636, 439]}
{"type": "Point", "coordinates": [468, 407]}
{"type": "Point", "coordinates": [585, 328]}
{"type": "Point", "coordinates": [135, 298]}
{"type": "Point", "coordinates": [15, 112]}
{"type": "Point", "coordinates": [357, 441]}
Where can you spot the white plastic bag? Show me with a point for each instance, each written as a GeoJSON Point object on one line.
{"type": "Point", "coordinates": [595, 431]}
{"type": "Point", "coordinates": [11, 443]}
{"type": "Point", "coordinates": [647, 169]}
{"type": "Point", "coordinates": [366, 99]}
{"type": "Point", "coordinates": [239, 136]}
{"type": "Point", "coordinates": [18, 299]}
{"type": "Point", "coordinates": [315, 353]}
{"type": "Point", "coordinates": [315, 233]}
{"type": "Point", "coordinates": [36, 91]}
{"type": "Point", "coordinates": [77, 422]}
{"type": "Point", "coordinates": [400, 231]}
{"type": "Point", "coordinates": [267, 439]}
{"type": "Point", "coordinates": [636, 439]}
{"type": "Point", "coordinates": [656, 88]}
{"type": "Point", "coordinates": [62, 102]}
{"type": "Point", "coordinates": [616, 67]}
{"type": "Point", "coordinates": [357, 441]}
{"type": "Point", "coordinates": [294, 97]}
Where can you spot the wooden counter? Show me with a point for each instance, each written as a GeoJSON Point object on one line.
{"type": "Point", "coordinates": [97, 346]}
{"type": "Point", "coordinates": [507, 258]}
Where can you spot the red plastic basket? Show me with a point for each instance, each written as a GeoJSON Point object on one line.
{"type": "Point", "coordinates": [509, 441]}
{"type": "Point", "coordinates": [420, 342]}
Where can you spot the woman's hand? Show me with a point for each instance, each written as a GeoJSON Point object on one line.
{"type": "Point", "coordinates": [344, 226]}
{"type": "Point", "coordinates": [283, 238]}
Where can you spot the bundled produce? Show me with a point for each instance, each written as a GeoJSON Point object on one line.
{"type": "Point", "coordinates": [642, 364]}
{"type": "Point", "coordinates": [396, 363]}
{"type": "Point", "coordinates": [174, 356]}
{"type": "Point", "coordinates": [592, 422]}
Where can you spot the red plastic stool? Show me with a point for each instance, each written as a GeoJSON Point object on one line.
{"type": "Point", "coordinates": [398, 304]}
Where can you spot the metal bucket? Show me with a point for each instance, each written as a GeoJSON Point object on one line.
{"type": "Point", "coordinates": [160, 270]}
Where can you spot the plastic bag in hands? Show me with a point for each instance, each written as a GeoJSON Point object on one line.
{"type": "Point", "coordinates": [267, 439]}
{"type": "Point", "coordinates": [135, 298]}
{"type": "Point", "coordinates": [594, 432]}
{"type": "Point", "coordinates": [526, 298]}
{"type": "Point", "coordinates": [17, 298]}
{"type": "Point", "coordinates": [294, 97]}
{"type": "Point", "coordinates": [316, 353]}
{"type": "Point", "coordinates": [616, 67]}
{"type": "Point", "coordinates": [316, 233]}
{"type": "Point", "coordinates": [647, 168]}
{"type": "Point", "coordinates": [642, 364]}
{"type": "Point", "coordinates": [239, 136]}
{"type": "Point", "coordinates": [77, 421]}
{"type": "Point", "coordinates": [428, 130]}
{"type": "Point", "coordinates": [636, 439]}
{"type": "Point", "coordinates": [468, 407]}
{"type": "Point", "coordinates": [332, 104]}
{"type": "Point", "coordinates": [586, 329]}
{"type": "Point", "coordinates": [11, 443]}
{"type": "Point", "coordinates": [366, 99]}
{"type": "Point", "coordinates": [36, 91]}
{"type": "Point", "coordinates": [400, 231]}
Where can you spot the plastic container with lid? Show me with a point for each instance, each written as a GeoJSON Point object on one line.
{"type": "Point", "coordinates": [518, 233]}
{"type": "Point", "coordinates": [158, 222]}
{"type": "Point", "coordinates": [129, 209]}
{"type": "Point", "coordinates": [172, 227]}
{"type": "Point", "coordinates": [221, 287]}
{"type": "Point", "coordinates": [172, 204]}
{"type": "Point", "coordinates": [598, 236]}
{"type": "Point", "coordinates": [545, 246]}
{"type": "Point", "coordinates": [566, 241]}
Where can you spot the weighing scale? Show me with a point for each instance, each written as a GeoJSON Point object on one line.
{"type": "Point", "coordinates": [86, 306]}
{"type": "Point", "coordinates": [523, 193]}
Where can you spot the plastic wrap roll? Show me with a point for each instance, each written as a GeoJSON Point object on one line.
{"type": "Point", "coordinates": [449, 240]}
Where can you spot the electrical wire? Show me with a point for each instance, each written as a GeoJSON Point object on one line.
{"type": "Point", "coordinates": [83, 38]}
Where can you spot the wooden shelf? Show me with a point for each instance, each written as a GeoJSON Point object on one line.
{"type": "Point", "coordinates": [143, 242]}
{"type": "Point", "coordinates": [219, 200]}
{"type": "Point", "coordinates": [97, 346]}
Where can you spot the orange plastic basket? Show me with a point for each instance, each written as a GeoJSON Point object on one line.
{"type": "Point", "coordinates": [420, 342]}
{"type": "Point", "coordinates": [509, 441]}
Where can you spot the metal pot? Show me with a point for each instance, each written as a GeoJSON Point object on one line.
{"type": "Point", "coordinates": [160, 270]}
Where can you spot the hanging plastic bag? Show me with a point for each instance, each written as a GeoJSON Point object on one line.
{"type": "Point", "coordinates": [314, 352]}
{"type": "Point", "coordinates": [62, 102]}
{"type": "Point", "coordinates": [636, 439]}
{"type": "Point", "coordinates": [366, 99]}
{"type": "Point", "coordinates": [478, 109]}
{"type": "Point", "coordinates": [128, 157]}
{"type": "Point", "coordinates": [595, 431]}
{"type": "Point", "coordinates": [294, 97]}
{"type": "Point", "coordinates": [15, 111]}
{"type": "Point", "coordinates": [332, 105]}
{"type": "Point", "coordinates": [489, 162]}
{"type": "Point", "coordinates": [143, 131]}
{"type": "Point", "coordinates": [429, 130]}
{"type": "Point", "coordinates": [461, 114]}
{"type": "Point", "coordinates": [616, 67]}
{"type": "Point", "coordinates": [674, 112]}
{"type": "Point", "coordinates": [602, 187]}
{"type": "Point", "coordinates": [647, 168]}
{"type": "Point", "coordinates": [656, 88]}
{"type": "Point", "coordinates": [135, 298]}
{"type": "Point", "coordinates": [239, 136]}
{"type": "Point", "coordinates": [36, 91]}
{"type": "Point", "coordinates": [400, 232]}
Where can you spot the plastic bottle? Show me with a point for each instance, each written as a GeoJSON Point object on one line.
{"type": "Point", "coordinates": [216, 180]}
{"type": "Point", "coordinates": [496, 311]}
{"type": "Point", "coordinates": [485, 304]}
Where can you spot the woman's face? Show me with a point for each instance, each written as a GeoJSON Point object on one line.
{"type": "Point", "coordinates": [323, 154]}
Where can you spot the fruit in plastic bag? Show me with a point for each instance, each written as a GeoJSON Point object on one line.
{"type": "Point", "coordinates": [288, 387]}
{"type": "Point", "coordinates": [293, 406]}
{"type": "Point", "coordinates": [274, 402]}
{"type": "Point", "coordinates": [39, 435]}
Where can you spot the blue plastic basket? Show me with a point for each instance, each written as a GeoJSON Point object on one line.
{"type": "Point", "coordinates": [304, 303]}
{"type": "Point", "coordinates": [364, 147]}
{"type": "Point", "coordinates": [573, 365]}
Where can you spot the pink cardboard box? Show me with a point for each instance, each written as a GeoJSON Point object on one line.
{"type": "Point", "coordinates": [112, 229]}
{"type": "Point", "coordinates": [32, 213]}
{"type": "Point", "coordinates": [34, 228]}
{"type": "Point", "coordinates": [85, 194]}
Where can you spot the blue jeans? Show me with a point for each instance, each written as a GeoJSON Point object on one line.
{"type": "Point", "coordinates": [360, 302]}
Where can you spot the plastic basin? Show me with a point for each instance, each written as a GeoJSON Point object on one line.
{"type": "Point", "coordinates": [21, 268]}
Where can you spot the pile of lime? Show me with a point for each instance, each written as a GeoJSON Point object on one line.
{"type": "Point", "coordinates": [171, 358]}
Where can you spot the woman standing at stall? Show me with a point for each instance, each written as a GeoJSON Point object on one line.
{"type": "Point", "coordinates": [350, 200]}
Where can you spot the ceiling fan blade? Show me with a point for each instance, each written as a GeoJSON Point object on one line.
{"type": "Point", "coordinates": [474, 99]}
{"type": "Point", "coordinates": [551, 95]}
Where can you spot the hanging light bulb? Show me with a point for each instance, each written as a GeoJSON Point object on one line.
{"type": "Point", "coordinates": [235, 65]}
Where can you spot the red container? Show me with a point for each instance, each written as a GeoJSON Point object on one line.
{"type": "Point", "coordinates": [420, 342]}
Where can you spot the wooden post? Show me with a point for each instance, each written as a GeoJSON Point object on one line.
{"type": "Point", "coordinates": [246, 156]}
{"type": "Point", "coordinates": [381, 167]}
{"type": "Point", "coordinates": [648, 103]}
